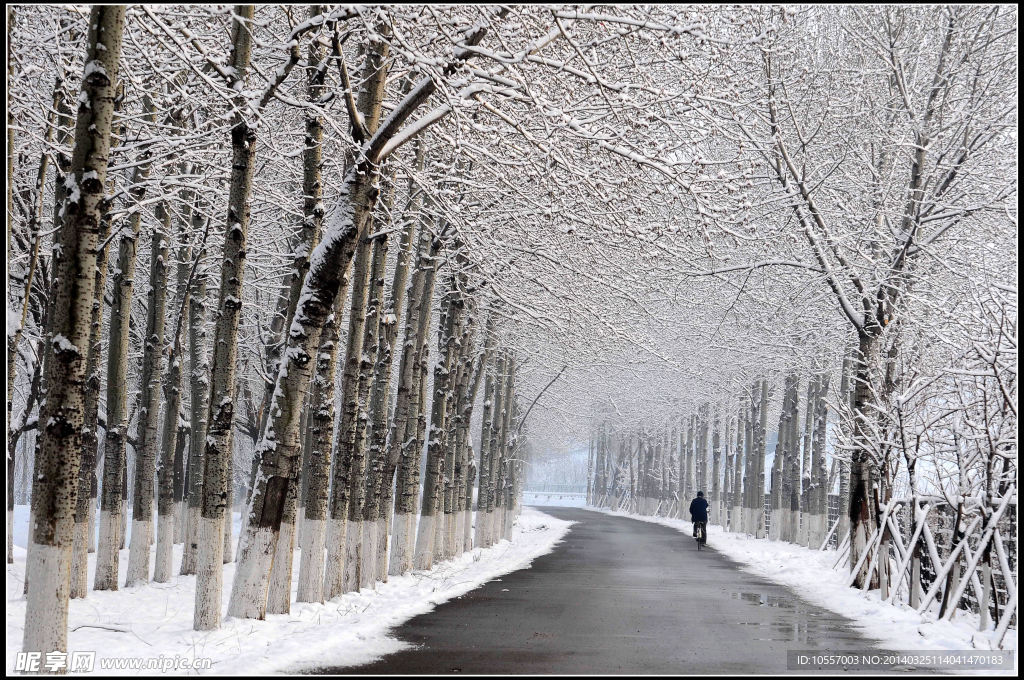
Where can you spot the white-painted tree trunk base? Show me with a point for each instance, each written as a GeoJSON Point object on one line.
{"type": "Point", "coordinates": [481, 529]}
{"type": "Point", "coordinates": [353, 558]}
{"type": "Point", "coordinates": [483, 520]}
{"type": "Point", "coordinates": [209, 574]}
{"type": "Point", "coordinates": [819, 531]}
{"type": "Point", "coordinates": [92, 526]}
{"type": "Point", "coordinates": [758, 523]}
{"type": "Point", "coordinates": [451, 532]}
{"type": "Point", "coordinates": [124, 525]}
{"type": "Point", "coordinates": [510, 516]}
{"type": "Point", "coordinates": [227, 555]}
{"type": "Point", "coordinates": [497, 524]}
{"type": "Point", "coordinates": [368, 554]}
{"type": "Point", "coordinates": [467, 530]}
{"type": "Point", "coordinates": [423, 557]}
{"type": "Point", "coordinates": [438, 542]}
{"type": "Point", "coordinates": [280, 593]}
{"type": "Point", "coordinates": [775, 528]}
{"type": "Point", "coordinates": [985, 620]}
{"type": "Point", "coordinates": [106, 552]}
{"type": "Point", "coordinates": [179, 522]}
{"type": "Point", "coordinates": [252, 574]}
{"type": "Point", "coordinates": [138, 554]}
{"type": "Point", "coordinates": [334, 565]}
{"type": "Point", "coordinates": [492, 528]}
{"type": "Point", "coordinates": [163, 567]}
{"type": "Point", "coordinates": [381, 567]}
{"type": "Point", "coordinates": [188, 551]}
{"type": "Point", "coordinates": [401, 544]}
{"type": "Point", "coordinates": [311, 561]}
{"type": "Point", "coordinates": [734, 519]}
{"type": "Point", "coordinates": [79, 586]}
{"type": "Point", "coordinates": [50, 567]}
{"type": "Point", "coordinates": [810, 532]}
{"type": "Point", "coordinates": [459, 533]}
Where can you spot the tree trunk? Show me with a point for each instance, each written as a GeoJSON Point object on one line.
{"type": "Point", "coordinates": [433, 503]}
{"type": "Point", "coordinates": [367, 476]}
{"type": "Point", "coordinates": [380, 474]}
{"type": "Point", "coordinates": [862, 477]}
{"type": "Point", "coordinates": [749, 478]}
{"type": "Point", "coordinates": [504, 416]}
{"type": "Point", "coordinates": [215, 509]}
{"type": "Point", "coordinates": [87, 483]}
{"type": "Point", "coordinates": [736, 507]}
{"type": "Point", "coordinates": [311, 565]}
{"type": "Point", "coordinates": [406, 439]}
{"type": "Point", "coordinates": [716, 473]}
{"type": "Point", "coordinates": [59, 444]}
{"type": "Point", "coordinates": [806, 465]}
{"type": "Point", "coordinates": [485, 538]}
{"type": "Point", "coordinates": [846, 393]}
{"type": "Point", "coordinates": [454, 511]}
{"type": "Point", "coordinates": [759, 467]}
{"type": "Point", "coordinates": [149, 413]}
{"type": "Point", "coordinates": [779, 483]}
{"type": "Point", "coordinates": [819, 475]}
{"type": "Point", "coordinates": [170, 476]}
{"type": "Point", "coordinates": [199, 390]}
{"type": "Point", "coordinates": [58, 125]}
{"type": "Point", "coordinates": [115, 454]}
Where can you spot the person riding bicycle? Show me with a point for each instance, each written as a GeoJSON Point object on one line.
{"type": "Point", "coordinates": [699, 512]}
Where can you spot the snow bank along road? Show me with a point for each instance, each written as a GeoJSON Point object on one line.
{"type": "Point", "coordinates": [619, 595]}
{"type": "Point", "coordinates": [130, 629]}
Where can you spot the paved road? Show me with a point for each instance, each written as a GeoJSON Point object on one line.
{"type": "Point", "coordinates": [618, 596]}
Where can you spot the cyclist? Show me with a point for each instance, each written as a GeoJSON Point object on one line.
{"type": "Point", "coordinates": [699, 513]}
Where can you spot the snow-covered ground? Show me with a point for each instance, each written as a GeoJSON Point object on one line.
{"type": "Point", "coordinates": [813, 575]}
{"type": "Point", "coordinates": [156, 619]}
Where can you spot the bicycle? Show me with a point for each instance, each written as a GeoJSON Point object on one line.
{"type": "Point", "coordinates": [700, 533]}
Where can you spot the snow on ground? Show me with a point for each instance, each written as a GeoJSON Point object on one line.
{"type": "Point", "coordinates": [811, 574]}
{"type": "Point", "coordinates": [155, 620]}
{"type": "Point", "coordinates": [563, 500]}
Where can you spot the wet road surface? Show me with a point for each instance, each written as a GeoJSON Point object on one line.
{"type": "Point", "coordinates": [618, 596]}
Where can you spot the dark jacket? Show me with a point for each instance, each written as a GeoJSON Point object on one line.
{"type": "Point", "coordinates": [699, 510]}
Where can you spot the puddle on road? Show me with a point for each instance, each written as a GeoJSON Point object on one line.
{"type": "Point", "coordinates": [764, 600]}
{"type": "Point", "coordinates": [794, 622]}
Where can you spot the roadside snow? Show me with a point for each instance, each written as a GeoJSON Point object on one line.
{"type": "Point", "coordinates": [812, 574]}
{"type": "Point", "coordinates": [156, 619]}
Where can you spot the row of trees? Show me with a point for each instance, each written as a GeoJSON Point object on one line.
{"type": "Point", "coordinates": [722, 450]}
{"type": "Point", "coordinates": [358, 484]}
